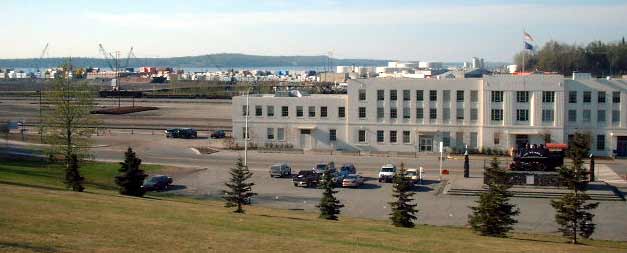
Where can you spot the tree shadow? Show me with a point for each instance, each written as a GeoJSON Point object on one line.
{"type": "Point", "coordinates": [421, 188]}
{"type": "Point", "coordinates": [175, 187]}
{"type": "Point", "coordinates": [27, 246]}
{"type": "Point", "coordinates": [428, 182]}
{"type": "Point", "coordinates": [368, 186]}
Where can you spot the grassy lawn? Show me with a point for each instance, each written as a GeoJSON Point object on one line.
{"type": "Point", "coordinates": [51, 219]}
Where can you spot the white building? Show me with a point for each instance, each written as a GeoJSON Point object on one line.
{"type": "Point", "coordinates": [413, 115]}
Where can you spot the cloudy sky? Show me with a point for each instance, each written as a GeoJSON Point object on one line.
{"type": "Point", "coordinates": [392, 29]}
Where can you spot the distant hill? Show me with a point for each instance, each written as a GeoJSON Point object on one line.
{"type": "Point", "coordinates": [203, 61]}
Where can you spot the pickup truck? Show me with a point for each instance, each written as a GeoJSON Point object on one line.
{"type": "Point", "coordinates": [306, 178]}
{"type": "Point", "coordinates": [387, 173]}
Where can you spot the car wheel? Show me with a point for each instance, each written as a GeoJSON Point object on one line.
{"type": "Point", "coordinates": [295, 185]}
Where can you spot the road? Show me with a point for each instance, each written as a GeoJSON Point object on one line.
{"type": "Point", "coordinates": [204, 175]}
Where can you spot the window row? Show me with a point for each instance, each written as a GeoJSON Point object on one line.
{"type": "Point", "coordinates": [496, 96]}
{"type": "Point", "coordinates": [433, 95]}
{"type": "Point", "coordinates": [522, 115]}
{"type": "Point", "coordinates": [420, 112]}
{"type": "Point", "coordinates": [587, 116]}
{"type": "Point", "coordinates": [426, 142]}
{"type": "Point", "coordinates": [311, 111]}
{"type": "Point", "coordinates": [587, 97]}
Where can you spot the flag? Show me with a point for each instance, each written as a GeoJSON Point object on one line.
{"type": "Point", "coordinates": [528, 36]}
{"type": "Point", "coordinates": [528, 46]}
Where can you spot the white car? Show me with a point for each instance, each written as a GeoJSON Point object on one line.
{"type": "Point", "coordinates": [412, 175]}
{"type": "Point", "coordinates": [387, 173]}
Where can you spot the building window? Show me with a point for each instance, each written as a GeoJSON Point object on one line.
{"type": "Point", "coordinates": [547, 138]}
{"type": "Point", "coordinates": [497, 115]}
{"type": "Point", "coordinates": [548, 96]}
{"type": "Point", "coordinates": [258, 111]}
{"type": "Point", "coordinates": [245, 134]}
{"type": "Point", "coordinates": [547, 115]}
{"type": "Point", "coordinates": [406, 95]}
{"type": "Point", "coordinates": [460, 96]}
{"type": "Point", "coordinates": [615, 116]}
{"type": "Point", "coordinates": [460, 114]}
{"type": "Point", "coordinates": [433, 113]}
{"type": "Point", "coordinates": [433, 95]}
{"type": "Point", "coordinates": [380, 95]}
{"type": "Point", "coordinates": [601, 97]}
{"type": "Point", "coordinates": [280, 134]}
{"type": "Point", "coordinates": [380, 136]}
{"type": "Point", "coordinates": [616, 97]}
{"type": "Point", "coordinates": [446, 139]}
{"type": "Point", "coordinates": [332, 135]}
{"type": "Point", "coordinates": [420, 113]}
{"type": "Point", "coordinates": [522, 115]}
{"type": "Point", "coordinates": [299, 111]}
{"type": "Point", "coordinates": [600, 142]}
{"type": "Point", "coordinates": [393, 136]}
{"type": "Point", "coordinates": [497, 138]}
{"type": "Point", "coordinates": [474, 140]}
{"type": "Point", "coordinates": [323, 111]}
{"type": "Point", "coordinates": [446, 114]}
{"type": "Point", "coordinates": [522, 96]}
{"type": "Point", "coordinates": [244, 110]}
{"type": "Point", "coordinates": [270, 133]}
{"type": "Point", "coordinates": [285, 111]}
{"type": "Point", "coordinates": [380, 112]}
{"type": "Point", "coordinates": [474, 114]}
{"type": "Point", "coordinates": [406, 113]}
{"type": "Point", "coordinates": [362, 112]}
{"type": "Point", "coordinates": [406, 137]}
{"type": "Point", "coordinates": [497, 96]}
{"type": "Point", "coordinates": [341, 112]}
{"type": "Point", "coordinates": [419, 95]}
{"type": "Point", "coordinates": [601, 115]}
{"type": "Point", "coordinates": [362, 136]}
{"type": "Point", "coordinates": [587, 116]}
{"type": "Point", "coordinates": [393, 113]}
{"type": "Point", "coordinates": [446, 95]}
{"type": "Point", "coordinates": [572, 115]}
{"type": "Point", "coordinates": [393, 95]}
{"type": "Point", "coordinates": [474, 96]}
{"type": "Point", "coordinates": [270, 111]}
{"type": "Point", "coordinates": [362, 95]}
{"type": "Point", "coordinates": [572, 97]}
{"type": "Point", "coordinates": [587, 96]}
{"type": "Point", "coordinates": [459, 139]}
{"type": "Point", "coordinates": [312, 111]}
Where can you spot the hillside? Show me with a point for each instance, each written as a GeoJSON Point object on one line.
{"type": "Point", "coordinates": [38, 215]}
{"type": "Point", "coordinates": [202, 61]}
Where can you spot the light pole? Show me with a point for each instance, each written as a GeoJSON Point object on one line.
{"type": "Point", "coordinates": [246, 128]}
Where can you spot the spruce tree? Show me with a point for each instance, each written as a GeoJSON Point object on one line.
{"type": "Point", "coordinates": [131, 176]}
{"type": "Point", "coordinates": [403, 212]}
{"type": "Point", "coordinates": [329, 205]}
{"type": "Point", "coordinates": [572, 212]}
{"type": "Point", "coordinates": [493, 216]}
{"type": "Point", "coordinates": [239, 190]}
{"type": "Point", "coordinates": [73, 178]}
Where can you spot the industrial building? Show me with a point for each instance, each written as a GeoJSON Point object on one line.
{"type": "Point", "coordinates": [414, 115]}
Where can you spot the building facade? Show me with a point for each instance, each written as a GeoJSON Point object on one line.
{"type": "Point", "coordinates": [414, 115]}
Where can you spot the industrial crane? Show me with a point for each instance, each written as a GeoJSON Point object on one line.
{"type": "Point", "coordinates": [128, 58]}
{"type": "Point", "coordinates": [41, 57]}
{"type": "Point", "coordinates": [107, 56]}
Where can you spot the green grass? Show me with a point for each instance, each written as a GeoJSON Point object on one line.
{"type": "Point", "coordinates": [38, 215]}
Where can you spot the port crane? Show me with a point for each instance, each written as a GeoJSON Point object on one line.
{"type": "Point", "coordinates": [44, 52]}
{"type": "Point", "coordinates": [108, 57]}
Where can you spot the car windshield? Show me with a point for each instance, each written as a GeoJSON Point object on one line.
{"type": "Point", "coordinates": [321, 167]}
{"type": "Point", "coordinates": [388, 169]}
{"type": "Point", "coordinates": [411, 173]}
{"type": "Point", "coordinates": [276, 167]}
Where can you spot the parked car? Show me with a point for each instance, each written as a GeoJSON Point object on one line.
{"type": "Point", "coordinates": [412, 175]}
{"type": "Point", "coordinates": [306, 178]}
{"type": "Point", "coordinates": [345, 170]}
{"type": "Point", "coordinates": [323, 167]}
{"type": "Point", "coordinates": [387, 173]}
{"type": "Point", "coordinates": [280, 170]}
{"type": "Point", "coordinates": [352, 180]}
{"type": "Point", "coordinates": [157, 183]}
{"type": "Point", "coordinates": [186, 133]}
{"type": "Point", "coordinates": [218, 134]}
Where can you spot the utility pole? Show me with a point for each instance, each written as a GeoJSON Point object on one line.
{"type": "Point", "coordinates": [246, 132]}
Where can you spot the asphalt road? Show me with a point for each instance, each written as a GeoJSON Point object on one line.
{"type": "Point", "coordinates": [204, 176]}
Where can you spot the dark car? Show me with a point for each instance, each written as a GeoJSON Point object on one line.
{"type": "Point", "coordinates": [306, 178]}
{"type": "Point", "coordinates": [186, 133]}
{"type": "Point", "coordinates": [157, 183]}
{"type": "Point", "coordinates": [219, 134]}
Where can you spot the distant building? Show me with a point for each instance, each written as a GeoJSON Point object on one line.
{"type": "Point", "coordinates": [409, 115]}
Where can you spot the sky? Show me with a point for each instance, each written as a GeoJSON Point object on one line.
{"type": "Point", "coordinates": [393, 29]}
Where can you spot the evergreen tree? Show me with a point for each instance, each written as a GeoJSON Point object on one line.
{"type": "Point", "coordinates": [403, 212]}
{"type": "Point", "coordinates": [494, 214]}
{"type": "Point", "coordinates": [329, 205]}
{"type": "Point", "coordinates": [132, 177]}
{"type": "Point", "coordinates": [73, 178]}
{"type": "Point", "coordinates": [573, 214]}
{"type": "Point", "coordinates": [240, 191]}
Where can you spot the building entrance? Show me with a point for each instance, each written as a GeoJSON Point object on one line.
{"type": "Point", "coordinates": [426, 144]}
{"type": "Point", "coordinates": [621, 146]}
